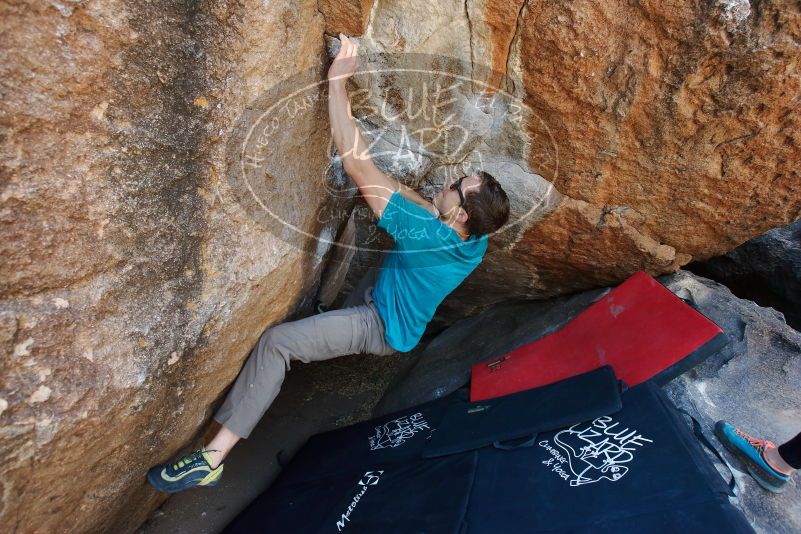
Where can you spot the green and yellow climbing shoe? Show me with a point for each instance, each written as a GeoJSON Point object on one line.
{"type": "Point", "coordinates": [193, 469]}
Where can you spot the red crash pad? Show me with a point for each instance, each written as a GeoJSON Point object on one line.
{"type": "Point", "coordinates": [639, 328]}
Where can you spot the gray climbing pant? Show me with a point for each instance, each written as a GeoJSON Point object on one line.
{"type": "Point", "coordinates": [353, 330]}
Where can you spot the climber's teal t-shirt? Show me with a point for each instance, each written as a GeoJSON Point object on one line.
{"type": "Point", "coordinates": [426, 263]}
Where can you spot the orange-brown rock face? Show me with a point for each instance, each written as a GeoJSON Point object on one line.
{"type": "Point", "coordinates": [686, 114]}
{"type": "Point", "coordinates": [133, 282]}
{"type": "Point", "coordinates": [137, 273]}
{"type": "Point", "coordinates": [677, 131]}
{"type": "Point", "coordinates": [345, 16]}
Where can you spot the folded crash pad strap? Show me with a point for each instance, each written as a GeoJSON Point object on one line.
{"type": "Point", "coordinates": [640, 328]}
{"type": "Point", "coordinates": [699, 433]}
{"type": "Point", "coordinates": [470, 425]}
{"type": "Point", "coordinates": [510, 445]}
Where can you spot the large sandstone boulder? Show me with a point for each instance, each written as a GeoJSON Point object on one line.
{"type": "Point", "coordinates": [752, 381]}
{"type": "Point", "coordinates": [133, 282]}
{"type": "Point", "coordinates": [660, 133]}
{"type": "Point", "coordinates": [138, 269]}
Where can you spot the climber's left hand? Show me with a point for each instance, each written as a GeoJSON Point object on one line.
{"type": "Point", "coordinates": [344, 64]}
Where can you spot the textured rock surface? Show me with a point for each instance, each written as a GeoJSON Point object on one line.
{"type": "Point", "coordinates": [668, 133]}
{"type": "Point", "coordinates": [135, 277]}
{"type": "Point", "coordinates": [766, 269]}
{"type": "Point", "coordinates": [753, 381]}
{"type": "Point", "coordinates": [133, 284]}
{"type": "Point", "coordinates": [345, 16]}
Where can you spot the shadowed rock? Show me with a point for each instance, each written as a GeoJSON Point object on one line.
{"type": "Point", "coordinates": [766, 269]}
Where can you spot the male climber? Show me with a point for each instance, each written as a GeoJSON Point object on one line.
{"type": "Point", "coordinates": [436, 245]}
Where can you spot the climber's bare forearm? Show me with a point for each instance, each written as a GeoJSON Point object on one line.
{"type": "Point", "coordinates": [375, 186]}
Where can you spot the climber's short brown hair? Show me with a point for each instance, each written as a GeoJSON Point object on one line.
{"type": "Point", "coordinates": [487, 207]}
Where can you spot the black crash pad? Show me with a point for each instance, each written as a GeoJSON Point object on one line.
{"type": "Point", "coordinates": [471, 425]}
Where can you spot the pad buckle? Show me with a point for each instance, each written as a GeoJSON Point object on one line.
{"type": "Point", "coordinates": [496, 364]}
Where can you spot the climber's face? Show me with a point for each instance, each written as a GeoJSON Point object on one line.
{"type": "Point", "coordinates": [449, 202]}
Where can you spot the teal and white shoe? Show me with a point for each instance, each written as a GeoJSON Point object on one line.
{"type": "Point", "coordinates": [193, 469]}
{"type": "Point", "coordinates": [751, 451]}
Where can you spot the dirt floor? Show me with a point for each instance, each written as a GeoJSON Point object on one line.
{"type": "Point", "coordinates": [314, 398]}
